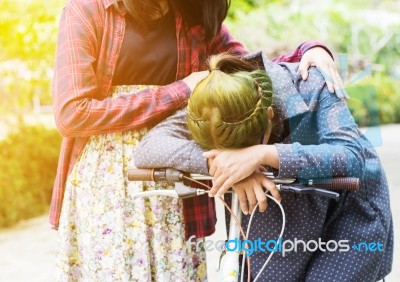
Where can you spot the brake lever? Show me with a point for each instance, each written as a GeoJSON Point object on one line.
{"type": "Point", "coordinates": [300, 189]}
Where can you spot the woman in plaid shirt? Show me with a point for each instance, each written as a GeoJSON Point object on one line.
{"type": "Point", "coordinates": [110, 54]}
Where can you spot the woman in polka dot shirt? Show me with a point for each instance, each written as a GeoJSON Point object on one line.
{"type": "Point", "coordinates": [298, 129]}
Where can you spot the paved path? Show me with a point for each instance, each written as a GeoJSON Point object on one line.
{"type": "Point", "coordinates": [27, 250]}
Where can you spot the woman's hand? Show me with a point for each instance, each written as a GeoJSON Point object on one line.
{"type": "Point", "coordinates": [231, 166]}
{"type": "Point", "coordinates": [228, 167]}
{"type": "Point", "coordinates": [320, 58]}
{"type": "Point", "coordinates": [251, 191]}
{"type": "Point", "coordinates": [194, 78]}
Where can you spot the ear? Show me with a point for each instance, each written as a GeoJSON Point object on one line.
{"type": "Point", "coordinates": [270, 113]}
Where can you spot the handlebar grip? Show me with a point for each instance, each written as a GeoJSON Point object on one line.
{"type": "Point", "coordinates": [337, 183]}
{"type": "Point", "coordinates": [168, 175]}
{"type": "Point", "coordinates": [141, 174]}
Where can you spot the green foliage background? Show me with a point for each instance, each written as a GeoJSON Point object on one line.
{"type": "Point", "coordinates": [27, 171]}
{"type": "Point", "coordinates": [365, 32]}
{"type": "Point", "coordinates": [28, 32]}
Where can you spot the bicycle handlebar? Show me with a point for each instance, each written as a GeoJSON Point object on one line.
{"type": "Point", "coordinates": [326, 187]}
{"type": "Point", "coordinates": [334, 183]}
{"type": "Point", "coordinates": [301, 186]}
{"type": "Point", "coordinates": [171, 176]}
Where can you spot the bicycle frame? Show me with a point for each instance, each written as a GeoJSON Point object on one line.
{"type": "Point", "coordinates": [230, 266]}
{"type": "Point", "coordinates": [230, 270]}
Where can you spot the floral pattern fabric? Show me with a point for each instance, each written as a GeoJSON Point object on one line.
{"type": "Point", "coordinates": [106, 234]}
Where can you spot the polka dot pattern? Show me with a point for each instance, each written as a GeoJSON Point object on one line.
{"type": "Point", "coordinates": [324, 141]}
{"type": "Point", "coordinates": [168, 145]}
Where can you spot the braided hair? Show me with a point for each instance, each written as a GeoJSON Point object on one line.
{"type": "Point", "coordinates": [228, 109]}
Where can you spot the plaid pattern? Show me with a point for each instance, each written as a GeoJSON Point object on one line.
{"type": "Point", "coordinates": [90, 37]}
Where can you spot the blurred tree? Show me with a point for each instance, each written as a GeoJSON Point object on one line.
{"type": "Point", "coordinates": [240, 6]}
{"type": "Point", "coordinates": [367, 30]}
{"type": "Point", "coordinates": [28, 31]}
{"type": "Point", "coordinates": [28, 162]}
{"type": "Point", "coordinates": [364, 33]}
{"type": "Point", "coordinates": [355, 28]}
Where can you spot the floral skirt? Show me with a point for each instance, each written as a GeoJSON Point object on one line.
{"type": "Point", "coordinates": [106, 234]}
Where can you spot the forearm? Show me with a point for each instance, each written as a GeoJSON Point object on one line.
{"type": "Point", "coordinates": [80, 87]}
{"type": "Point", "coordinates": [318, 161]}
{"type": "Point", "coordinates": [311, 161]}
{"type": "Point", "coordinates": [76, 115]}
{"type": "Point", "coordinates": [168, 145]}
{"type": "Point", "coordinates": [161, 151]}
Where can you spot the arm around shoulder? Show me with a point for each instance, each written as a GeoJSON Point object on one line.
{"type": "Point", "coordinates": [337, 149]}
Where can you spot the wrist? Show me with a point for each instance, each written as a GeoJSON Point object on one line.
{"type": "Point", "coordinates": [269, 156]}
{"type": "Point", "coordinates": [185, 87]}
{"type": "Point", "coordinates": [307, 46]}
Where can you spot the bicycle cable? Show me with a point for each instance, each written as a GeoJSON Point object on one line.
{"type": "Point", "coordinates": [279, 238]}
{"type": "Point", "coordinates": [248, 230]}
{"type": "Point", "coordinates": [244, 235]}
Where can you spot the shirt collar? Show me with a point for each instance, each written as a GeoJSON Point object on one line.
{"type": "Point", "coordinates": [108, 3]}
{"type": "Point", "coordinates": [285, 93]}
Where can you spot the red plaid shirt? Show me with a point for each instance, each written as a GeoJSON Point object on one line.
{"type": "Point", "coordinates": [90, 38]}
